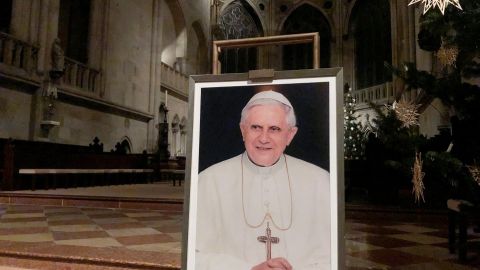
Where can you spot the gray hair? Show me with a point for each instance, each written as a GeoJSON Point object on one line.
{"type": "Point", "coordinates": [290, 113]}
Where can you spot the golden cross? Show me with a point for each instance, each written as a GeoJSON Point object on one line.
{"type": "Point", "coordinates": [268, 239]}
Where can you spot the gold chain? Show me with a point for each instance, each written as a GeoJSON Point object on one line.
{"type": "Point", "coordinates": [267, 215]}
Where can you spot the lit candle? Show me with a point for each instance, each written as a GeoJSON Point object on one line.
{"type": "Point", "coordinates": [166, 98]}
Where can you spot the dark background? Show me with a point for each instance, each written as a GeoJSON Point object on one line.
{"type": "Point", "coordinates": [220, 136]}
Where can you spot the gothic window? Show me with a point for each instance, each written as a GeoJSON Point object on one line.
{"type": "Point", "coordinates": [73, 28]}
{"type": "Point", "coordinates": [373, 46]}
{"type": "Point", "coordinates": [306, 19]}
{"type": "Point", "coordinates": [238, 21]}
{"type": "Point", "coordinates": [5, 15]}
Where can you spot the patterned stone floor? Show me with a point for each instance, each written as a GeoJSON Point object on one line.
{"type": "Point", "coordinates": [113, 236]}
{"type": "Point", "coordinates": [138, 239]}
{"type": "Point", "coordinates": [402, 245]}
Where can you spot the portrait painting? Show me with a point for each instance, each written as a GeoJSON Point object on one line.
{"type": "Point", "coordinates": [264, 181]}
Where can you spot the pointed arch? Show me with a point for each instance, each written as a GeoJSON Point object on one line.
{"type": "Point", "coordinates": [201, 57]}
{"type": "Point", "coordinates": [177, 13]}
{"type": "Point", "coordinates": [125, 145]}
{"type": "Point", "coordinates": [252, 8]}
{"type": "Point", "coordinates": [183, 124]}
{"type": "Point", "coordinates": [306, 18]}
{"type": "Point", "coordinates": [314, 5]}
{"type": "Point", "coordinates": [239, 20]}
{"type": "Point", "coordinates": [174, 45]}
{"type": "Point", "coordinates": [370, 27]}
{"type": "Point", "coordinates": [175, 120]}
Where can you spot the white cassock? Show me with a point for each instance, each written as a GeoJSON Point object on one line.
{"type": "Point", "coordinates": [225, 237]}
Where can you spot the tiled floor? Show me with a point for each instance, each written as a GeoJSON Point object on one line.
{"type": "Point", "coordinates": [164, 190]}
{"type": "Point", "coordinates": [93, 235]}
{"type": "Point", "coordinates": [152, 239]}
{"type": "Point", "coordinates": [387, 244]}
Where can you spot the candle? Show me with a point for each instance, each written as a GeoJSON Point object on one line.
{"type": "Point", "coordinates": [166, 98]}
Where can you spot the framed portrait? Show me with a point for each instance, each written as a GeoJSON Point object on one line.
{"type": "Point", "coordinates": [264, 176]}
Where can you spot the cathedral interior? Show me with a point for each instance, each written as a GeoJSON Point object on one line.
{"type": "Point", "coordinates": [99, 91]}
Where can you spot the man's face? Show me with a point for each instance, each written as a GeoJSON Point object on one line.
{"type": "Point", "coordinates": [266, 133]}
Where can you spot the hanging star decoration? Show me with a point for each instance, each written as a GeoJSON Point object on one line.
{"type": "Point", "coordinates": [441, 4]}
{"type": "Point", "coordinates": [406, 112]}
{"type": "Point", "coordinates": [475, 171]}
{"type": "Point", "coordinates": [417, 178]}
{"type": "Point", "coordinates": [447, 55]}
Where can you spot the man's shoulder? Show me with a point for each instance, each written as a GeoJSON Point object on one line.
{"type": "Point", "coordinates": [223, 166]}
{"type": "Point", "coordinates": [305, 167]}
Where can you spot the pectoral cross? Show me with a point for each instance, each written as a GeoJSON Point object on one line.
{"type": "Point", "coordinates": [268, 240]}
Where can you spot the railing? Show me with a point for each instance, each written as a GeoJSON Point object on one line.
{"type": "Point", "coordinates": [174, 80]}
{"type": "Point", "coordinates": [380, 94]}
{"type": "Point", "coordinates": [81, 76]}
{"type": "Point", "coordinates": [18, 53]}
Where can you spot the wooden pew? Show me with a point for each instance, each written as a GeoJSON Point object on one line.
{"type": "Point", "coordinates": [173, 170]}
{"type": "Point", "coordinates": [32, 165]}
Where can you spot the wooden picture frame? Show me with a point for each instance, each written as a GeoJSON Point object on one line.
{"type": "Point", "coordinates": [215, 104]}
{"type": "Point", "coordinates": [219, 45]}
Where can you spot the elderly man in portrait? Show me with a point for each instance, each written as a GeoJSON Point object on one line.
{"type": "Point", "coordinates": [264, 209]}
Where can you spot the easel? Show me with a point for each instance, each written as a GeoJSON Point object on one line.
{"type": "Point", "coordinates": [265, 75]}
{"type": "Point", "coordinates": [219, 45]}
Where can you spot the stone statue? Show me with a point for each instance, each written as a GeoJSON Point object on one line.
{"type": "Point", "coordinates": [58, 59]}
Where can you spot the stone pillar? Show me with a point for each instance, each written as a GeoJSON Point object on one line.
{"type": "Point", "coordinates": [423, 58]}
{"type": "Point", "coordinates": [403, 34]}
{"type": "Point", "coordinates": [403, 37]}
{"type": "Point", "coordinates": [155, 75]}
{"type": "Point", "coordinates": [47, 17]}
{"type": "Point", "coordinates": [338, 21]}
{"type": "Point", "coordinates": [20, 22]}
{"type": "Point", "coordinates": [35, 115]}
{"type": "Point", "coordinates": [42, 35]}
{"type": "Point", "coordinates": [48, 31]}
{"type": "Point", "coordinates": [97, 29]}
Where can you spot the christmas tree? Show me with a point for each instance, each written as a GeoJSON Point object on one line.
{"type": "Point", "coordinates": [454, 40]}
{"type": "Point", "coordinates": [354, 135]}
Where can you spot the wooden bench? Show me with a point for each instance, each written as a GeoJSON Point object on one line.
{"type": "Point", "coordinates": [459, 213]}
{"type": "Point", "coordinates": [172, 169]}
{"type": "Point", "coordinates": [32, 165]}
{"type": "Point", "coordinates": [173, 174]}
{"type": "Point", "coordinates": [75, 173]}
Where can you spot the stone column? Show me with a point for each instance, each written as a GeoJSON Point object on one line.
{"type": "Point", "coordinates": [403, 34]}
{"type": "Point", "coordinates": [20, 22]}
{"type": "Point", "coordinates": [423, 58]}
{"type": "Point", "coordinates": [155, 75]}
{"type": "Point", "coordinates": [336, 27]}
{"type": "Point", "coordinates": [97, 30]}
{"type": "Point", "coordinates": [42, 35]}
{"type": "Point", "coordinates": [47, 32]}
{"type": "Point", "coordinates": [403, 37]}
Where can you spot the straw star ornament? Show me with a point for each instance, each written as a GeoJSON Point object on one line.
{"type": "Point", "coordinates": [441, 4]}
{"type": "Point", "coordinates": [417, 178]}
{"type": "Point", "coordinates": [475, 171]}
{"type": "Point", "coordinates": [447, 55]}
{"type": "Point", "coordinates": [406, 112]}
